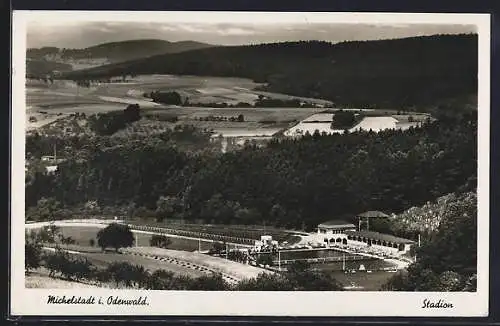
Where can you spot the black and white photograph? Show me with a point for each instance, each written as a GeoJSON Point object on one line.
{"type": "Point", "coordinates": [250, 163]}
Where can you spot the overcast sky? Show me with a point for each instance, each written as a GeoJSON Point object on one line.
{"type": "Point", "coordinates": [84, 34]}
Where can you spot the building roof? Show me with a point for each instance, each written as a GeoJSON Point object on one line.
{"type": "Point", "coordinates": [336, 224]}
{"type": "Point", "coordinates": [373, 214]}
{"type": "Point", "coordinates": [379, 236]}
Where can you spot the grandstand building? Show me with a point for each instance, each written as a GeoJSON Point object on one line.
{"type": "Point", "coordinates": [379, 241]}
{"type": "Point", "coordinates": [345, 234]}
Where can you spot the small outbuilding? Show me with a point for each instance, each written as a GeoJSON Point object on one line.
{"type": "Point", "coordinates": [366, 216]}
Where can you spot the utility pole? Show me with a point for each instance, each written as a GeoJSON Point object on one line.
{"type": "Point", "coordinates": [227, 249]}
{"type": "Point", "coordinates": [418, 247]}
{"type": "Point", "coordinates": [343, 261]}
{"type": "Point", "coordinates": [279, 260]}
{"type": "Point", "coordinates": [199, 244]}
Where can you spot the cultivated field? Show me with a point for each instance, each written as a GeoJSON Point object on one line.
{"type": "Point", "coordinates": [65, 97]}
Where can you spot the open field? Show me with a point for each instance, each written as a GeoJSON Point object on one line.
{"type": "Point", "coordinates": [82, 236]}
{"type": "Point", "coordinates": [65, 97]}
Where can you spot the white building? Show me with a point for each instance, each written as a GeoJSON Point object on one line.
{"type": "Point", "coordinates": [379, 242]}
{"type": "Point", "coordinates": [334, 232]}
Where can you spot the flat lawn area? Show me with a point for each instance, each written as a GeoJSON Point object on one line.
{"type": "Point", "coordinates": [83, 234]}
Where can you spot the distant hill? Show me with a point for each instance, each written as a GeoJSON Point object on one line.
{"type": "Point", "coordinates": [116, 51]}
{"type": "Point", "coordinates": [387, 73]}
{"type": "Point", "coordinates": [36, 68]}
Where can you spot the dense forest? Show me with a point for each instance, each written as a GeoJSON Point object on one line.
{"type": "Point", "coordinates": [408, 72]}
{"type": "Point", "coordinates": [291, 183]}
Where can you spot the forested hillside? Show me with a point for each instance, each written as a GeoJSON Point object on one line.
{"type": "Point", "coordinates": [41, 68]}
{"type": "Point", "coordinates": [291, 183]}
{"type": "Point", "coordinates": [118, 51]}
{"type": "Point", "coordinates": [417, 71]}
{"type": "Point", "coordinates": [447, 259]}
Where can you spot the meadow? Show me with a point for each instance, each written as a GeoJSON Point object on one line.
{"type": "Point", "coordinates": [82, 236]}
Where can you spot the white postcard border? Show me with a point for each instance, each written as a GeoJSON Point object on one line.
{"type": "Point", "coordinates": [192, 303]}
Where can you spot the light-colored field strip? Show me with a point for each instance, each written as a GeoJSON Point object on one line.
{"type": "Point", "coordinates": [232, 271]}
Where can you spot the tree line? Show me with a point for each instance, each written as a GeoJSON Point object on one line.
{"type": "Point", "coordinates": [293, 183]}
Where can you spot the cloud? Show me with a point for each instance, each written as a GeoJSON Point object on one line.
{"type": "Point", "coordinates": [83, 34]}
{"type": "Point", "coordinates": [236, 31]}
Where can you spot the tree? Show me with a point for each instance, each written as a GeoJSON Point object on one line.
{"type": "Point", "coordinates": [214, 282]}
{"type": "Point", "coordinates": [241, 118]}
{"type": "Point", "coordinates": [343, 120]}
{"type": "Point", "coordinates": [33, 253]}
{"type": "Point", "coordinates": [278, 214]}
{"type": "Point", "coordinates": [173, 98]}
{"type": "Point", "coordinates": [46, 209]}
{"type": "Point", "coordinates": [57, 262]}
{"type": "Point", "coordinates": [450, 282]}
{"type": "Point", "coordinates": [160, 241]}
{"type": "Point", "coordinates": [132, 113]}
{"type": "Point", "coordinates": [168, 206]}
{"type": "Point", "coordinates": [115, 236]}
{"type": "Point", "coordinates": [302, 278]}
{"type": "Point", "coordinates": [265, 282]}
{"type": "Point", "coordinates": [48, 233]}
{"type": "Point", "coordinates": [265, 259]}
{"type": "Point", "coordinates": [161, 280]}
{"type": "Point", "coordinates": [217, 248]}
{"type": "Point", "coordinates": [122, 272]}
